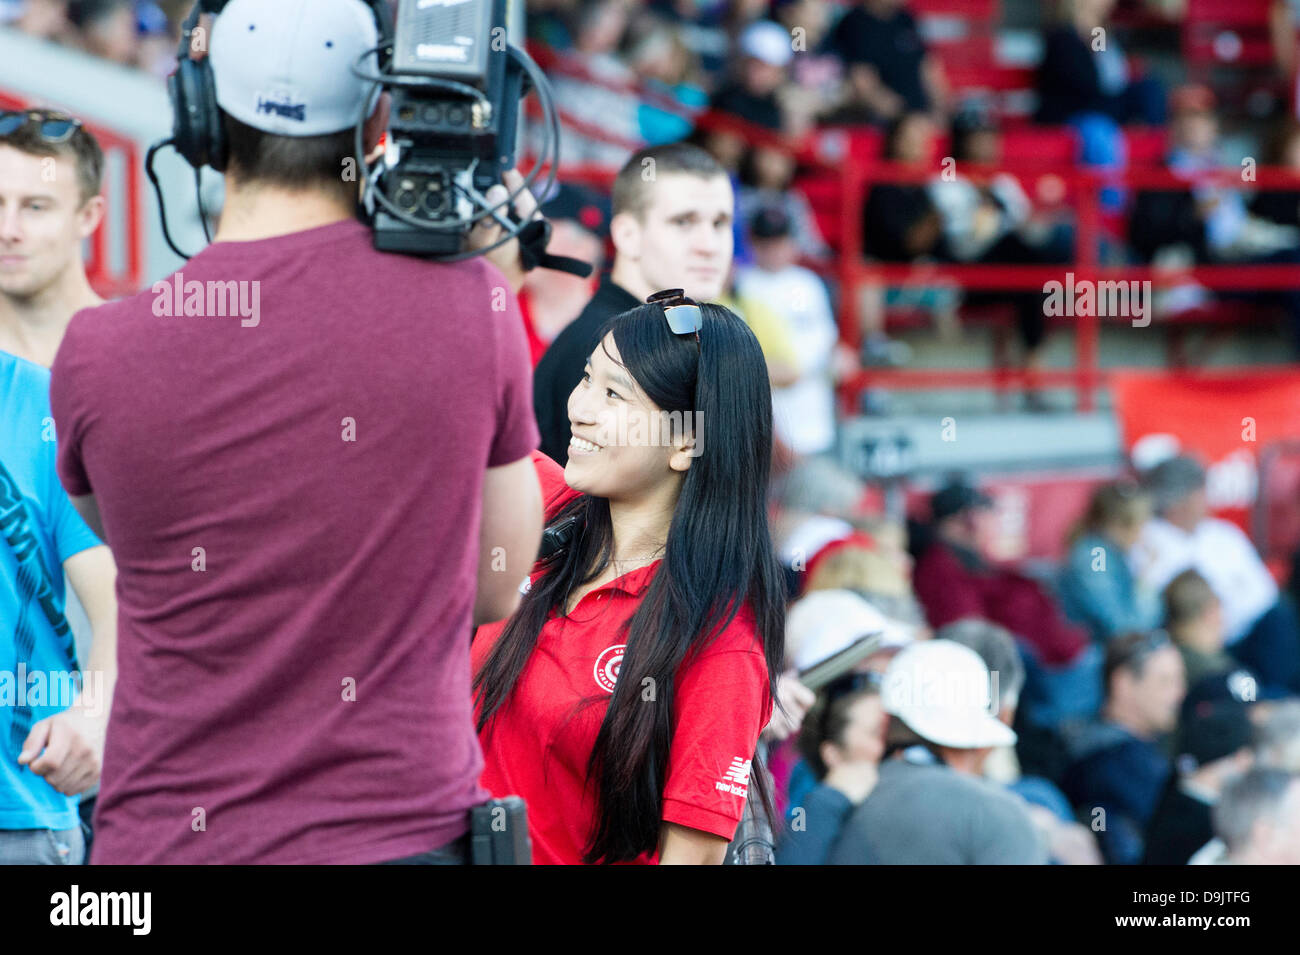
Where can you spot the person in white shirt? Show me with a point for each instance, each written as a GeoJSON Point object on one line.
{"type": "Point", "coordinates": [1260, 626]}
{"type": "Point", "coordinates": [804, 410]}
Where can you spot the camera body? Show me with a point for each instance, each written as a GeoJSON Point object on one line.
{"type": "Point", "coordinates": [448, 138]}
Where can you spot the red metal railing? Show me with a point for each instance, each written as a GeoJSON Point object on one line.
{"type": "Point", "coordinates": [856, 174]}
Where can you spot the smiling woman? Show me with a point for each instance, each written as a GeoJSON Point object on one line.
{"type": "Point", "coordinates": [625, 697]}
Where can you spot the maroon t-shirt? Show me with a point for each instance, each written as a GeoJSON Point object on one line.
{"type": "Point", "coordinates": [292, 494]}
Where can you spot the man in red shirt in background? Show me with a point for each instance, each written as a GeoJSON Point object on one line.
{"type": "Point", "coordinates": [955, 578]}
{"type": "Point", "coordinates": [312, 500]}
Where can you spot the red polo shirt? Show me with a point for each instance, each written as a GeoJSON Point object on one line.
{"type": "Point", "coordinates": [541, 740]}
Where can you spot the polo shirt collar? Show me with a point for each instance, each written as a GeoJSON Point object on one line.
{"type": "Point", "coordinates": [635, 582]}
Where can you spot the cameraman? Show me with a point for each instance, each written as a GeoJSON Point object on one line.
{"type": "Point", "coordinates": [298, 491]}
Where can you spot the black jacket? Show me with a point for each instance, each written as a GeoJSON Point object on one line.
{"type": "Point", "coordinates": [1179, 827]}
{"type": "Point", "coordinates": [560, 369]}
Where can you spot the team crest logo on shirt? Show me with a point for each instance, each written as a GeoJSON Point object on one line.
{"type": "Point", "coordinates": [607, 664]}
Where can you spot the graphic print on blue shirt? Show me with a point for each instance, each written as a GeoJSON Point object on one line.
{"type": "Point", "coordinates": [34, 591]}
{"type": "Point", "coordinates": [39, 530]}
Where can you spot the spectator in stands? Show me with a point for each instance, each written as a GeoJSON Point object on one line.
{"type": "Point", "coordinates": [930, 805]}
{"type": "Point", "coordinates": [804, 411]}
{"type": "Point", "coordinates": [955, 577]}
{"type": "Point", "coordinates": [1277, 746]}
{"type": "Point", "coordinates": [1097, 587]}
{"type": "Point", "coordinates": [1085, 73]}
{"type": "Point", "coordinates": [107, 29]}
{"type": "Point", "coordinates": [816, 70]}
{"type": "Point", "coordinates": [1208, 222]}
{"type": "Point", "coordinates": [550, 22]}
{"type": "Point", "coordinates": [1278, 734]}
{"type": "Point", "coordinates": [842, 743]}
{"type": "Point", "coordinates": [1258, 818]}
{"type": "Point", "coordinates": [1214, 745]}
{"type": "Point", "coordinates": [889, 68]}
{"type": "Point", "coordinates": [44, 222]}
{"type": "Point", "coordinates": [600, 98]}
{"type": "Point", "coordinates": [702, 26]}
{"type": "Point", "coordinates": [1260, 626]}
{"type": "Point", "coordinates": [670, 72]}
{"type": "Point", "coordinates": [47, 19]}
{"type": "Point", "coordinates": [1281, 206]}
{"type": "Point", "coordinates": [1119, 769]}
{"type": "Point", "coordinates": [672, 230]}
{"type": "Point", "coordinates": [1194, 619]}
{"type": "Point", "coordinates": [900, 222]}
{"type": "Point", "coordinates": [994, 222]}
{"type": "Point", "coordinates": [1283, 22]}
{"type": "Point", "coordinates": [1085, 80]}
{"type": "Point", "coordinates": [751, 95]}
{"type": "Point", "coordinates": [767, 179]}
{"type": "Point", "coordinates": [1068, 843]}
{"type": "Point", "coordinates": [877, 567]}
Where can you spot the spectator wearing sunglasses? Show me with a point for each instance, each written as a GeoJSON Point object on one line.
{"type": "Point", "coordinates": [1119, 768]}
{"type": "Point", "coordinates": [44, 220]}
{"type": "Point", "coordinates": [624, 698]}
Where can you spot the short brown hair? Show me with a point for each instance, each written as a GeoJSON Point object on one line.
{"type": "Point", "coordinates": [82, 148]}
{"type": "Point", "coordinates": [631, 187]}
{"type": "Point", "coordinates": [1187, 596]}
{"type": "Point", "coordinates": [290, 162]}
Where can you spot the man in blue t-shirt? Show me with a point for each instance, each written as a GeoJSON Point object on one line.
{"type": "Point", "coordinates": [52, 717]}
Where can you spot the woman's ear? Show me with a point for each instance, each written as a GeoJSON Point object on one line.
{"type": "Point", "coordinates": [684, 449]}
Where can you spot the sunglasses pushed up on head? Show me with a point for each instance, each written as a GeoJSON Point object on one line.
{"type": "Point", "coordinates": [54, 127]}
{"type": "Point", "coordinates": [684, 314]}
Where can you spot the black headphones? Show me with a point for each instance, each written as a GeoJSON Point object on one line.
{"type": "Point", "coordinates": [197, 131]}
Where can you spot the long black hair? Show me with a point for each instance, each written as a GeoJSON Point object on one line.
{"type": "Point", "coordinates": [718, 559]}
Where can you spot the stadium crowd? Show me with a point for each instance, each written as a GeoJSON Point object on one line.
{"type": "Point", "coordinates": [931, 704]}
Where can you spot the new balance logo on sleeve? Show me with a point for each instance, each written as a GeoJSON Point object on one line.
{"type": "Point", "coordinates": [736, 778]}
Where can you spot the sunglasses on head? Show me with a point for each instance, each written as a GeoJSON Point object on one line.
{"type": "Point", "coordinates": [683, 314]}
{"type": "Point", "coordinates": [54, 127]}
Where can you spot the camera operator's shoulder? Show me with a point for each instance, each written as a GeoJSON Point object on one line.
{"type": "Point", "coordinates": [101, 325]}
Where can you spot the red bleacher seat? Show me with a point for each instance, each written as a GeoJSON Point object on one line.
{"type": "Point", "coordinates": [1226, 33]}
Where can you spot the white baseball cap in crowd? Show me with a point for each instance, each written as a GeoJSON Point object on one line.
{"type": "Point", "coordinates": [826, 634]}
{"type": "Point", "coordinates": [285, 66]}
{"type": "Point", "coordinates": [767, 41]}
{"type": "Point", "coordinates": [941, 690]}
